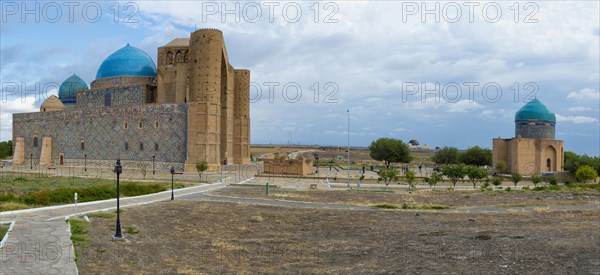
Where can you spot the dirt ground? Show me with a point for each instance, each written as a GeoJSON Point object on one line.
{"type": "Point", "coordinates": [199, 237]}
{"type": "Point", "coordinates": [452, 198]}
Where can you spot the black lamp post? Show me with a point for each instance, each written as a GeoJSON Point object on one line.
{"type": "Point", "coordinates": [172, 180]}
{"type": "Point", "coordinates": [153, 172]}
{"type": "Point", "coordinates": [85, 163]}
{"type": "Point", "coordinates": [317, 158]}
{"type": "Point", "coordinates": [31, 161]}
{"type": "Point", "coordinates": [118, 170]}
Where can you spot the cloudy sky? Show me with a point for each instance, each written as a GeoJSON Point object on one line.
{"type": "Point", "coordinates": [444, 73]}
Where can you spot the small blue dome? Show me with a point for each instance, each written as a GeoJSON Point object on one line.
{"type": "Point", "coordinates": [535, 110]}
{"type": "Point", "coordinates": [67, 92]}
{"type": "Point", "coordinates": [127, 61]}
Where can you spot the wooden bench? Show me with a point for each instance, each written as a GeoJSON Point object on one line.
{"type": "Point", "coordinates": [313, 186]}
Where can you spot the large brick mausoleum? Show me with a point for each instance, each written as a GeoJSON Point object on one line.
{"type": "Point", "coordinates": [534, 149]}
{"type": "Point", "coordinates": [194, 106]}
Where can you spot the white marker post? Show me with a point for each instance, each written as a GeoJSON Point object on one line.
{"type": "Point", "coordinates": [76, 205]}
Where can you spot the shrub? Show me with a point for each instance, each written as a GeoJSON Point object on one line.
{"type": "Point", "coordinates": [567, 182]}
{"type": "Point", "coordinates": [386, 206]}
{"type": "Point", "coordinates": [585, 173]}
{"type": "Point", "coordinates": [496, 181]}
{"type": "Point", "coordinates": [508, 189]}
{"type": "Point", "coordinates": [551, 180]}
{"type": "Point", "coordinates": [536, 179]}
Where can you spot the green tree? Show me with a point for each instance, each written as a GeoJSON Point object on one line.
{"type": "Point", "coordinates": [454, 172]}
{"type": "Point", "coordinates": [516, 178]}
{"type": "Point", "coordinates": [476, 156]}
{"type": "Point", "coordinates": [410, 179]}
{"type": "Point", "coordinates": [5, 149]}
{"type": "Point", "coordinates": [573, 162]}
{"type": "Point", "coordinates": [434, 179]}
{"type": "Point", "coordinates": [536, 179]}
{"type": "Point", "coordinates": [389, 150]}
{"type": "Point", "coordinates": [446, 155]}
{"type": "Point", "coordinates": [201, 166]}
{"type": "Point", "coordinates": [387, 174]}
{"type": "Point", "coordinates": [475, 174]}
{"type": "Point", "coordinates": [585, 173]}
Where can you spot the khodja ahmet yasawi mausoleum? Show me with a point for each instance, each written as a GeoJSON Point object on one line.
{"type": "Point", "coordinates": [194, 106]}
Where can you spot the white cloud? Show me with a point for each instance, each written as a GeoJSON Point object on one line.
{"type": "Point", "coordinates": [579, 109]}
{"type": "Point", "coordinates": [463, 106]}
{"type": "Point", "coordinates": [585, 94]}
{"type": "Point", "coordinates": [17, 105]}
{"type": "Point", "coordinates": [576, 119]}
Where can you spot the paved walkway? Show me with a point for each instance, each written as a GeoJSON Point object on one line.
{"type": "Point", "coordinates": [40, 243]}
{"type": "Point", "coordinates": [35, 247]}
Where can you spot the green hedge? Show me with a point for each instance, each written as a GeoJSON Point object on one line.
{"type": "Point", "coordinates": [85, 194]}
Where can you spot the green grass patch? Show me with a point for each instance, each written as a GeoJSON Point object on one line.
{"type": "Point", "coordinates": [425, 206]}
{"type": "Point", "coordinates": [102, 215]}
{"type": "Point", "coordinates": [11, 205]}
{"type": "Point", "coordinates": [131, 230]}
{"type": "Point", "coordinates": [571, 187]}
{"type": "Point", "coordinates": [18, 184]}
{"type": "Point", "coordinates": [3, 230]}
{"type": "Point", "coordinates": [385, 206]}
{"type": "Point", "coordinates": [79, 235]}
{"type": "Point", "coordinates": [85, 194]}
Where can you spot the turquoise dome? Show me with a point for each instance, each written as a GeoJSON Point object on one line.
{"type": "Point", "coordinates": [67, 92]}
{"type": "Point", "coordinates": [535, 110]}
{"type": "Point", "coordinates": [127, 61]}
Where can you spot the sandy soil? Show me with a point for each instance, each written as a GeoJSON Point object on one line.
{"type": "Point", "coordinates": [198, 237]}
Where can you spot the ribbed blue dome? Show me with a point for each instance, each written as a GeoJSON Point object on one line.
{"type": "Point", "coordinates": [127, 61]}
{"type": "Point", "coordinates": [535, 110]}
{"type": "Point", "coordinates": [68, 89]}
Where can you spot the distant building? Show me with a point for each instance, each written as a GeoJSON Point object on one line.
{"type": "Point", "coordinates": [194, 106]}
{"type": "Point", "coordinates": [281, 165]}
{"type": "Point", "coordinates": [413, 144]}
{"type": "Point", "coordinates": [534, 149]}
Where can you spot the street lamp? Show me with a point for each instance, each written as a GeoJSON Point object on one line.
{"type": "Point", "coordinates": [118, 170]}
{"type": "Point", "coordinates": [348, 111]}
{"type": "Point", "coordinates": [85, 163]}
{"type": "Point", "coordinates": [172, 182]}
{"type": "Point", "coordinates": [31, 161]}
{"type": "Point", "coordinates": [153, 172]}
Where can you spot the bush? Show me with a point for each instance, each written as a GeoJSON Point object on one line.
{"type": "Point", "coordinates": [585, 173]}
{"type": "Point", "coordinates": [496, 181]}
{"type": "Point", "coordinates": [386, 206]}
{"type": "Point", "coordinates": [536, 179]}
{"type": "Point", "coordinates": [508, 189]}
{"type": "Point", "coordinates": [525, 187]}
{"type": "Point", "coordinates": [551, 180]}
{"type": "Point", "coordinates": [92, 193]}
{"type": "Point", "coordinates": [567, 182]}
